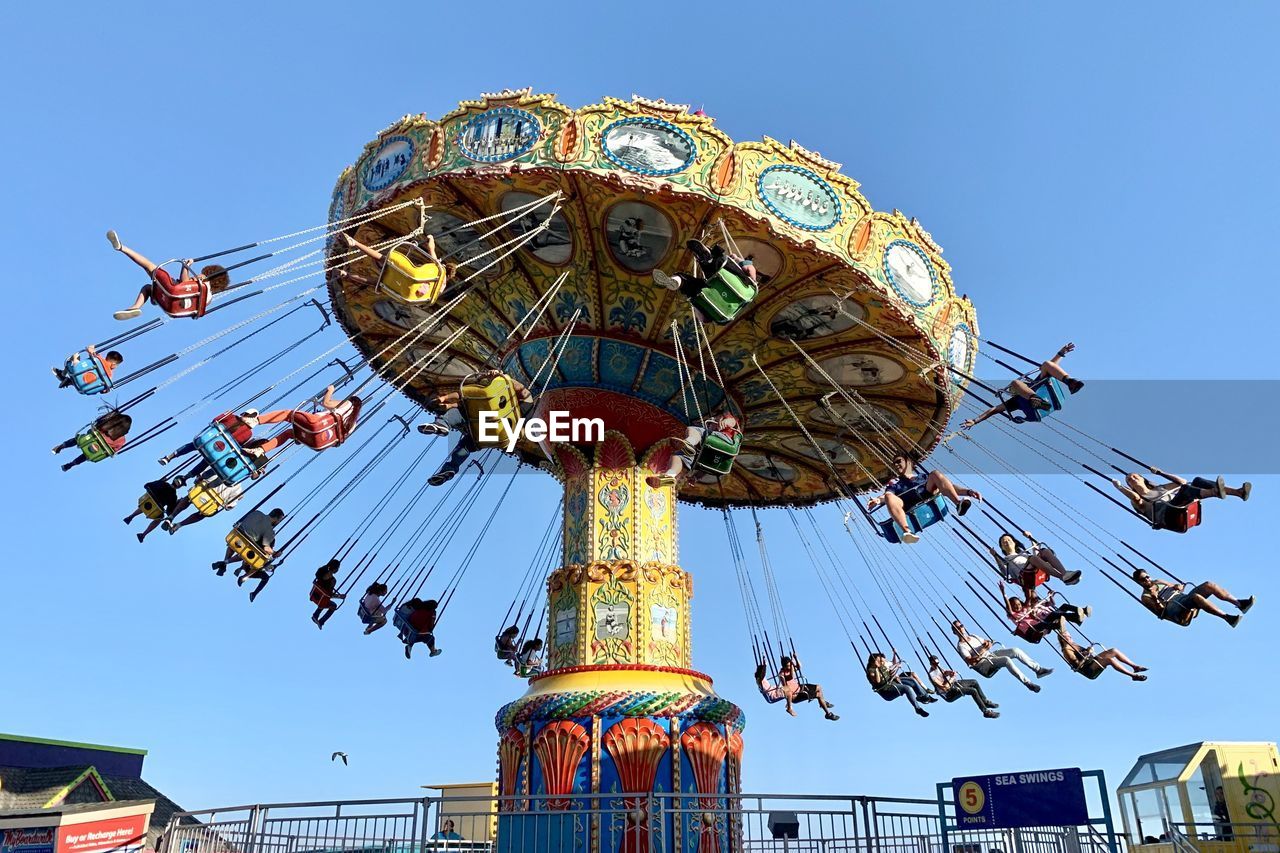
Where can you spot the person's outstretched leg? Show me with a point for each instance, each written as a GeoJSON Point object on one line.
{"type": "Point", "coordinates": [1211, 589]}
{"type": "Point", "coordinates": [898, 512]}
{"type": "Point", "coordinates": [66, 445]}
{"type": "Point", "coordinates": [263, 579]}
{"type": "Point", "coordinates": [970, 688]}
{"type": "Point", "coordinates": [939, 482]}
{"type": "Point", "coordinates": [353, 243]}
{"type": "Point", "coordinates": [328, 611]}
{"type": "Point", "coordinates": [74, 462]}
{"type": "Point", "coordinates": [1123, 658]}
{"type": "Point", "coordinates": [430, 640]}
{"type": "Point", "coordinates": [154, 523]}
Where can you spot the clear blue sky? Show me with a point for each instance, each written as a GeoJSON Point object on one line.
{"type": "Point", "coordinates": [1099, 173]}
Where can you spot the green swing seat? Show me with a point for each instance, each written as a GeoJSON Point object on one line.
{"type": "Point", "coordinates": [716, 453]}
{"type": "Point", "coordinates": [724, 297]}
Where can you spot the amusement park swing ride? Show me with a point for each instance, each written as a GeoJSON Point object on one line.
{"type": "Point", "coordinates": [631, 265]}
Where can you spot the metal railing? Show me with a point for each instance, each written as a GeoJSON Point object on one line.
{"type": "Point", "coordinates": [614, 821]}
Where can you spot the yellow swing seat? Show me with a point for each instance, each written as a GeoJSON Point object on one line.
{"type": "Point", "coordinates": [246, 549]}
{"type": "Point", "coordinates": [205, 499]}
{"type": "Point", "coordinates": [498, 396]}
{"type": "Point", "coordinates": [409, 274]}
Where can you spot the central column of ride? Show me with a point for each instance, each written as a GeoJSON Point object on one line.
{"type": "Point", "coordinates": [619, 710]}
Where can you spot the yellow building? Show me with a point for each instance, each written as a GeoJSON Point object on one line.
{"type": "Point", "coordinates": [472, 809]}
{"type": "Point", "coordinates": [1207, 797]}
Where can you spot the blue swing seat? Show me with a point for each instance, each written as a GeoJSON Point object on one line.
{"type": "Point", "coordinates": [1048, 389]}
{"type": "Point", "coordinates": [920, 516]}
{"type": "Point", "coordinates": [87, 374]}
{"type": "Point", "coordinates": [224, 453]}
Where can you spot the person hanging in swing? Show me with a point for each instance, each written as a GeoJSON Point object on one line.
{"type": "Point", "coordinates": [528, 662]}
{"type": "Point", "coordinates": [725, 426]}
{"type": "Point", "coordinates": [240, 427]}
{"type": "Point", "coordinates": [1033, 617]}
{"type": "Point", "coordinates": [790, 689]}
{"type": "Point", "coordinates": [224, 495]}
{"type": "Point", "coordinates": [89, 372]}
{"type": "Point", "coordinates": [1090, 664]}
{"type": "Point", "coordinates": [1155, 501]}
{"type": "Point", "coordinates": [949, 686]}
{"type": "Point", "coordinates": [419, 625]}
{"type": "Point", "coordinates": [420, 282]}
{"type": "Point", "coordinates": [320, 430]}
{"type": "Point", "coordinates": [165, 498]}
{"type": "Point", "coordinates": [1030, 565]}
{"type": "Point", "coordinates": [189, 296]}
{"type": "Point", "coordinates": [913, 486]}
{"type": "Point", "coordinates": [372, 611]}
{"type": "Point", "coordinates": [260, 529]}
{"type": "Point", "coordinates": [982, 657]}
{"type": "Point", "coordinates": [105, 437]}
{"type": "Point", "coordinates": [324, 592]}
{"type": "Point", "coordinates": [889, 682]}
{"type": "Point", "coordinates": [451, 420]}
{"type": "Point", "coordinates": [711, 263]}
{"type": "Point", "coordinates": [507, 645]}
{"type": "Point", "coordinates": [1173, 602]}
{"type": "Point", "coordinates": [1022, 392]}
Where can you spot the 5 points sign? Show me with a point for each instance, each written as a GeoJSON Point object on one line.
{"type": "Point", "coordinates": [1031, 798]}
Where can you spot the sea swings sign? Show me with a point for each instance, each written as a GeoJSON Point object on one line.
{"type": "Point", "coordinates": [1010, 800]}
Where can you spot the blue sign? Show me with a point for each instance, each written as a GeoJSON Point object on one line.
{"type": "Point", "coordinates": [389, 163]}
{"type": "Point", "coordinates": [799, 197]}
{"type": "Point", "coordinates": [1011, 800]}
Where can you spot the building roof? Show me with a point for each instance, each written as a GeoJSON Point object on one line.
{"type": "Point", "coordinates": [71, 743]}
{"type": "Point", "coordinates": [24, 789]}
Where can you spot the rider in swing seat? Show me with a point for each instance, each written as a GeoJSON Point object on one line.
{"type": "Point", "coordinates": [1034, 617]}
{"type": "Point", "coordinates": [411, 282]}
{"type": "Point", "coordinates": [240, 427]}
{"type": "Point", "coordinates": [372, 611]}
{"type": "Point", "coordinates": [451, 420]}
{"type": "Point", "coordinates": [684, 461]}
{"type": "Point", "coordinates": [89, 372]}
{"type": "Point", "coordinates": [164, 497]}
{"type": "Point", "coordinates": [1030, 565]}
{"type": "Point", "coordinates": [1023, 393]}
{"type": "Point", "coordinates": [104, 438]}
{"type": "Point", "coordinates": [417, 621]}
{"type": "Point", "coordinates": [187, 297]}
{"type": "Point", "coordinates": [788, 688]}
{"type": "Point", "coordinates": [507, 645]}
{"type": "Point", "coordinates": [1090, 664]}
{"type": "Point", "coordinates": [1159, 502]}
{"type": "Point", "coordinates": [258, 528]}
{"type": "Point", "coordinates": [317, 430]}
{"type": "Point", "coordinates": [528, 662]}
{"type": "Point", "coordinates": [912, 487]}
{"type": "Point", "coordinates": [209, 497]}
{"type": "Point", "coordinates": [949, 687]}
{"type": "Point", "coordinates": [889, 682]}
{"type": "Point", "coordinates": [711, 263]}
{"type": "Point", "coordinates": [1173, 602]}
{"type": "Point", "coordinates": [983, 658]}
{"type": "Point", "coordinates": [324, 592]}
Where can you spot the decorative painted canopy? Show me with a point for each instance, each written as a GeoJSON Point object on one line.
{"type": "Point", "coordinates": [858, 290]}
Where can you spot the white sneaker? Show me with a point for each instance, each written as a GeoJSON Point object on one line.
{"type": "Point", "coordinates": [114, 239]}
{"type": "Point", "coordinates": [670, 282]}
{"type": "Point", "coordinates": [909, 538]}
{"type": "Point", "coordinates": [433, 429]}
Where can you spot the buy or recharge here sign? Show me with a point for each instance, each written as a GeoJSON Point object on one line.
{"type": "Point", "coordinates": [1029, 798]}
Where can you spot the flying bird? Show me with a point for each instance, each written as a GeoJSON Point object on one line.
{"type": "Point", "coordinates": [338, 755]}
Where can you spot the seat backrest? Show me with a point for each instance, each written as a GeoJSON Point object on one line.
{"type": "Point", "coordinates": [497, 396]}
{"type": "Point", "coordinates": [724, 297]}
